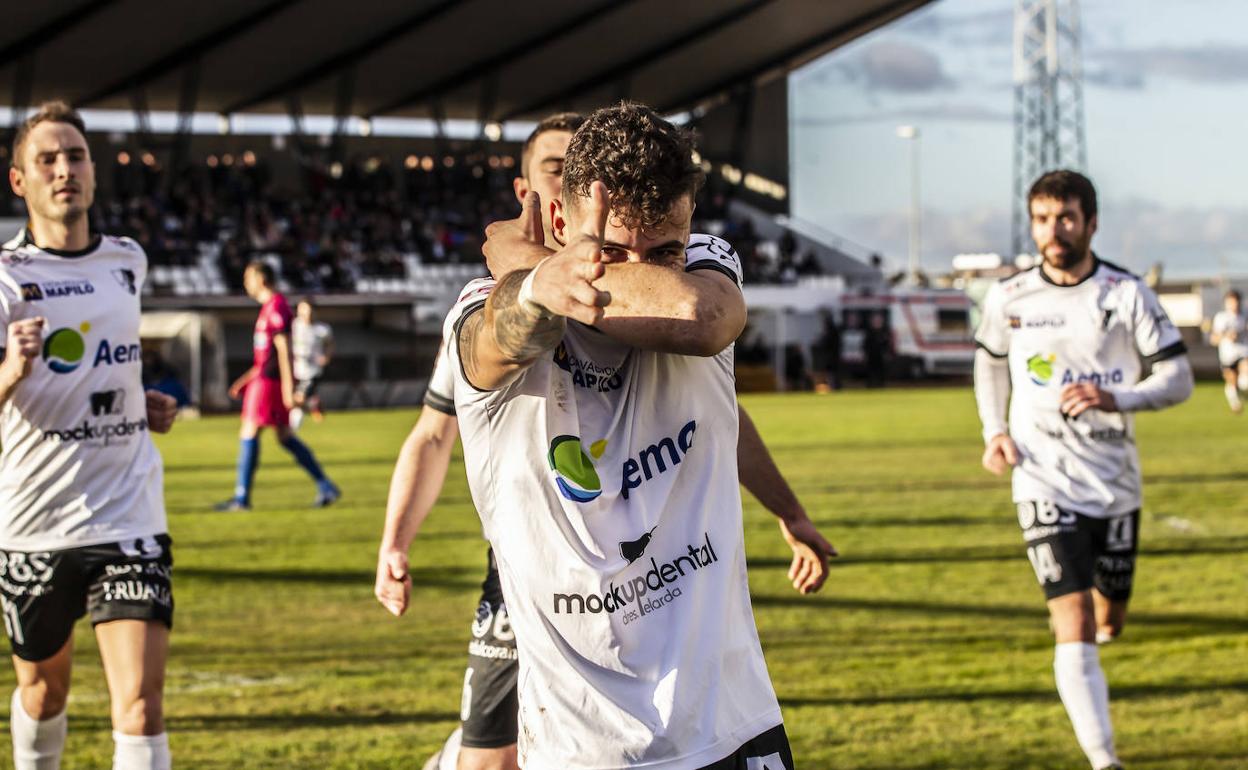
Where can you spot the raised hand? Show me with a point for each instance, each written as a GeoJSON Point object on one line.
{"type": "Point", "coordinates": [516, 244]}
{"type": "Point", "coordinates": [562, 284]}
{"type": "Point", "coordinates": [23, 344]}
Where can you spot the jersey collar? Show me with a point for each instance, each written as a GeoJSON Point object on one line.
{"type": "Point", "coordinates": [1096, 266]}
{"type": "Point", "coordinates": [28, 239]}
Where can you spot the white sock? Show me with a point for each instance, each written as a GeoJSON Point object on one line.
{"type": "Point", "coordinates": [1081, 684]}
{"type": "Point", "coordinates": [1232, 396]}
{"type": "Point", "coordinates": [141, 752]}
{"type": "Point", "coordinates": [296, 418]}
{"type": "Point", "coordinates": [450, 752]}
{"type": "Point", "coordinates": [1104, 637]}
{"type": "Point", "coordinates": [1243, 382]}
{"type": "Point", "coordinates": [37, 743]}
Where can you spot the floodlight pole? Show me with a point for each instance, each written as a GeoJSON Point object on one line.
{"type": "Point", "coordinates": [912, 135]}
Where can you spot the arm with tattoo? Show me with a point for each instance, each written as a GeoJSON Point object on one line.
{"type": "Point", "coordinates": [498, 344]}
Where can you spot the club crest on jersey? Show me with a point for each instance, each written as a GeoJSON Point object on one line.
{"type": "Point", "coordinates": [1040, 368]}
{"type": "Point", "coordinates": [575, 475]}
{"type": "Point", "coordinates": [125, 278]}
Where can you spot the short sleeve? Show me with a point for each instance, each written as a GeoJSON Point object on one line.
{"type": "Point", "coordinates": [993, 334]}
{"type": "Point", "coordinates": [707, 252]}
{"type": "Point", "coordinates": [471, 300]}
{"type": "Point", "coordinates": [440, 395]}
{"type": "Point", "coordinates": [1156, 337]}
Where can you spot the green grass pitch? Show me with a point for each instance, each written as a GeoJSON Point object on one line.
{"type": "Point", "coordinates": [927, 648]}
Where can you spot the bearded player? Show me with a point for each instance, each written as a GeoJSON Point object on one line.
{"type": "Point", "coordinates": [1061, 343]}
{"type": "Point", "coordinates": [82, 516]}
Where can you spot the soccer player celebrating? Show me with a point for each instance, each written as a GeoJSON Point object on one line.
{"type": "Point", "coordinates": [313, 343]}
{"type": "Point", "coordinates": [1061, 343]}
{"type": "Point", "coordinates": [1230, 334]}
{"type": "Point", "coordinates": [82, 517]}
{"type": "Point", "coordinates": [595, 397]}
{"type": "Point", "coordinates": [487, 738]}
{"type": "Point", "coordinates": [268, 393]}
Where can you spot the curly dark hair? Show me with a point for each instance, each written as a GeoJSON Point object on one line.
{"type": "Point", "coordinates": [645, 162]}
{"type": "Point", "coordinates": [1063, 185]}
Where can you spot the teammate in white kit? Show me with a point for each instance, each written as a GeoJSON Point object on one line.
{"type": "Point", "coordinates": [1061, 344]}
{"type": "Point", "coordinates": [487, 738]}
{"type": "Point", "coordinates": [82, 517]}
{"type": "Point", "coordinates": [605, 472]}
{"type": "Point", "coordinates": [312, 345]}
{"type": "Point", "coordinates": [1230, 334]}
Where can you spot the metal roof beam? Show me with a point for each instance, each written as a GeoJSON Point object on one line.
{"type": "Point", "coordinates": [486, 66]}
{"type": "Point", "coordinates": [51, 30]}
{"type": "Point", "coordinates": [849, 30]}
{"type": "Point", "coordinates": [649, 56]}
{"type": "Point", "coordinates": [185, 53]}
{"type": "Point", "coordinates": [350, 56]}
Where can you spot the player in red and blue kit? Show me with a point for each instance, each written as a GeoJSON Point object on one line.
{"type": "Point", "coordinates": [267, 390]}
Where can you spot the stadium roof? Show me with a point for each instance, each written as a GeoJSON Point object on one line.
{"type": "Point", "coordinates": [476, 59]}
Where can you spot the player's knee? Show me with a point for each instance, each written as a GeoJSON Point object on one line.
{"type": "Point", "coordinates": [143, 715]}
{"type": "Point", "coordinates": [45, 699]}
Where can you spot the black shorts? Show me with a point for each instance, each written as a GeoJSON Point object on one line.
{"type": "Point", "coordinates": [307, 388]}
{"type": "Point", "coordinates": [769, 751]}
{"type": "Point", "coordinates": [45, 592]}
{"type": "Point", "coordinates": [1071, 552]}
{"type": "Point", "coordinates": [489, 706]}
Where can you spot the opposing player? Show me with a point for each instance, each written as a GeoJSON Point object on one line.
{"type": "Point", "coordinates": [1230, 334]}
{"type": "Point", "coordinates": [1061, 344]}
{"type": "Point", "coordinates": [268, 393]}
{"type": "Point", "coordinates": [82, 517]}
{"type": "Point", "coordinates": [313, 343]}
{"type": "Point", "coordinates": [602, 462]}
{"type": "Point", "coordinates": [487, 737]}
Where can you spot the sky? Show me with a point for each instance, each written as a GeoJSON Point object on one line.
{"type": "Point", "coordinates": [1166, 114]}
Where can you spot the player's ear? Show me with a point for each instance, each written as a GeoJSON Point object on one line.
{"type": "Point", "coordinates": [558, 221]}
{"type": "Point", "coordinates": [17, 182]}
{"type": "Point", "coordinates": [520, 186]}
{"type": "Point", "coordinates": [1092, 224]}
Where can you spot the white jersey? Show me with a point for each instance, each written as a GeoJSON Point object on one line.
{"type": "Point", "coordinates": [309, 342]}
{"type": "Point", "coordinates": [1095, 331]}
{"type": "Point", "coordinates": [1230, 351]}
{"type": "Point", "coordinates": [78, 465]}
{"type": "Point", "coordinates": [606, 481]}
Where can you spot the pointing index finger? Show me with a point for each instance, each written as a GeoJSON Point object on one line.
{"type": "Point", "coordinates": [596, 211]}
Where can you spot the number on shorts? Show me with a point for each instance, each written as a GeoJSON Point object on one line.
{"type": "Point", "coordinates": [465, 705]}
{"type": "Point", "coordinates": [770, 762]}
{"type": "Point", "coordinates": [1120, 534]}
{"type": "Point", "coordinates": [1044, 563]}
{"type": "Point", "coordinates": [12, 622]}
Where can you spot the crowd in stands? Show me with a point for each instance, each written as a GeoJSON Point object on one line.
{"type": "Point", "coordinates": [339, 223]}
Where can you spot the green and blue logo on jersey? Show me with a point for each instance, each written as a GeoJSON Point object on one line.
{"type": "Point", "coordinates": [64, 348]}
{"type": "Point", "coordinates": [575, 475]}
{"type": "Point", "coordinates": [1041, 368]}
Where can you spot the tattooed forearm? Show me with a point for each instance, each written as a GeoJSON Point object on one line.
{"type": "Point", "coordinates": [519, 335]}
